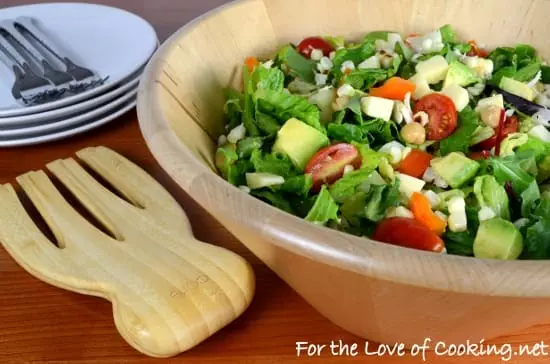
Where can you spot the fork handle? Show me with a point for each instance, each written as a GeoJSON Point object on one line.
{"type": "Point", "coordinates": [28, 24]}
{"type": "Point", "coordinates": [12, 53]}
{"type": "Point", "coordinates": [9, 26]}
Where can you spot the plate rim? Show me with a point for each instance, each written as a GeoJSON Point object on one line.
{"type": "Point", "coordinates": [68, 122]}
{"type": "Point", "coordinates": [84, 127]}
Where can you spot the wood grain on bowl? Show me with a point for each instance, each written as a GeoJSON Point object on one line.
{"type": "Point", "coordinates": [378, 291]}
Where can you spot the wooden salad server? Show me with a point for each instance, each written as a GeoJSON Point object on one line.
{"type": "Point", "coordinates": [169, 291]}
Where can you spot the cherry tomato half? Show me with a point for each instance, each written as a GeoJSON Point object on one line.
{"type": "Point", "coordinates": [408, 233]}
{"type": "Point", "coordinates": [510, 126]}
{"type": "Point", "coordinates": [415, 163]}
{"type": "Point", "coordinates": [309, 44]}
{"type": "Point", "coordinates": [327, 165]}
{"type": "Point", "coordinates": [442, 115]}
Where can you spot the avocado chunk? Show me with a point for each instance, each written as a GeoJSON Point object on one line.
{"type": "Point", "coordinates": [498, 239]}
{"type": "Point", "coordinates": [517, 88]}
{"type": "Point", "coordinates": [455, 169]}
{"type": "Point", "coordinates": [460, 74]}
{"type": "Point", "coordinates": [299, 142]}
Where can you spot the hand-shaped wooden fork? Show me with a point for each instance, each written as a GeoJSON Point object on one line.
{"type": "Point", "coordinates": [169, 291]}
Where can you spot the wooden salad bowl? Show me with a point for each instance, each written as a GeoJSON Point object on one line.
{"type": "Point", "coordinates": [377, 291]}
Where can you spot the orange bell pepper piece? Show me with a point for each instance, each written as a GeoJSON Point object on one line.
{"type": "Point", "coordinates": [395, 89]}
{"type": "Point", "coordinates": [422, 210]}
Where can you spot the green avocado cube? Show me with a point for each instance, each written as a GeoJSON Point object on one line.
{"type": "Point", "coordinates": [299, 142]}
{"type": "Point", "coordinates": [498, 239]}
{"type": "Point", "coordinates": [456, 169]}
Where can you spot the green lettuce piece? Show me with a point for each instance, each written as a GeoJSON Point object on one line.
{"type": "Point", "coordinates": [345, 132]}
{"type": "Point", "coordinates": [381, 198]}
{"type": "Point", "coordinates": [296, 64]}
{"type": "Point", "coordinates": [490, 193]}
{"type": "Point", "coordinates": [298, 185]}
{"type": "Point", "coordinates": [284, 106]}
{"type": "Point", "coordinates": [448, 34]}
{"type": "Point", "coordinates": [459, 141]}
{"type": "Point", "coordinates": [536, 242]}
{"type": "Point", "coordinates": [336, 42]}
{"type": "Point", "coordinates": [376, 35]}
{"type": "Point", "coordinates": [545, 70]}
{"type": "Point", "coordinates": [510, 169]}
{"type": "Point", "coordinates": [267, 125]}
{"type": "Point", "coordinates": [370, 158]}
{"type": "Point", "coordinates": [520, 63]}
{"type": "Point", "coordinates": [543, 170]}
{"type": "Point", "coordinates": [226, 156]}
{"type": "Point", "coordinates": [355, 106]}
{"type": "Point", "coordinates": [364, 79]}
{"type": "Point", "coordinates": [276, 199]}
{"type": "Point", "coordinates": [536, 146]}
{"type": "Point", "coordinates": [353, 209]}
{"type": "Point", "coordinates": [356, 54]}
{"type": "Point", "coordinates": [248, 104]}
{"type": "Point", "coordinates": [528, 199]}
{"type": "Point", "coordinates": [236, 173]}
{"type": "Point", "coordinates": [379, 132]}
{"type": "Point", "coordinates": [233, 107]}
{"type": "Point", "coordinates": [541, 209]}
{"type": "Point", "coordinates": [268, 79]}
{"type": "Point", "coordinates": [528, 72]}
{"type": "Point", "coordinates": [324, 209]}
{"type": "Point", "coordinates": [347, 185]}
{"type": "Point", "coordinates": [246, 146]}
{"type": "Point", "coordinates": [272, 163]}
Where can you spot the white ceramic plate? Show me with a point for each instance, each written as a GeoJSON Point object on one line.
{"type": "Point", "coordinates": [89, 125]}
{"type": "Point", "coordinates": [110, 41]}
{"type": "Point", "coordinates": [70, 122]}
{"type": "Point", "coordinates": [15, 123]}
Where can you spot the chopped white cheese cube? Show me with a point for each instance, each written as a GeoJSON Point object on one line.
{"type": "Point", "coordinates": [347, 66]}
{"type": "Point", "coordinates": [320, 79]}
{"type": "Point", "coordinates": [268, 64]}
{"type": "Point", "coordinates": [433, 197]}
{"type": "Point", "coordinates": [324, 65]}
{"type": "Point", "coordinates": [433, 70]}
{"type": "Point", "coordinates": [371, 62]}
{"type": "Point", "coordinates": [456, 205]}
{"type": "Point", "coordinates": [400, 212]}
{"type": "Point", "coordinates": [345, 90]}
{"type": "Point", "coordinates": [458, 223]}
{"type": "Point", "coordinates": [222, 140]}
{"type": "Point", "coordinates": [422, 87]}
{"type": "Point", "coordinates": [459, 95]}
{"type": "Point", "coordinates": [377, 107]}
{"type": "Point", "coordinates": [405, 152]}
{"type": "Point", "coordinates": [348, 169]}
{"type": "Point", "coordinates": [496, 100]}
{"type": "Point", "coordinates": [394, 149]}
{"type": "Point", "coordinates": [429, 175]}
{"type": "Point", "coordinates": [408, 185]}
{"type": "Point", "coordinates": [238, 133]}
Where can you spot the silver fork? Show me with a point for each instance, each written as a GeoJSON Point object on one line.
{"type": "Point", "coordinates": [28, 88]}
{"type": "Point", "coordinates": [86, 77]}
{"type": "Point", "coordinates": [58, 78]}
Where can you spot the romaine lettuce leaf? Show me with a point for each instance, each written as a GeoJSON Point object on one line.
{"type": "Point", "coordinates": [296, 64]}
{"type": "Point", "coordinates": [346, 186]}
{"type": "Point", "coordinates": [298, 185]}
{"type": "Point", "coordinates": [324, 209]}
{"type": "Point", "coordinates": [490, 193]}
{"type": "Point", "coordinates": [345, 132]}
{"type": "Point", "coordinates": [528, 199]}
{"type": "Point", "coordinates": [381, 198]}
{"type": "Point", "coordinates": [536, 242]}
{"type": "Point", "coordinates": [276, 199]}
{"type": "Point", "coordinates": [448, 34]}
{"type": "Point", "coordinates": [268, 79]}
{"type": "Point", "coordinates": [233, 107]}
{"type": "Point", "coordinates": [355, 54]}
{"type": "Point", "coordinates": [510, 169]}
{"type": "Point", "coordinates": [246, 146]}
{"type": "Point", "coordinates": [272, 163]}
{"type": "Point", "coordinates": [459, 141]}
{"type": "Point", "coordinates": [284, 106]}
{"type": "Point", "coordinates": [248, 104]}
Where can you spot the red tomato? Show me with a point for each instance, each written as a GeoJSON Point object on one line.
{"type": "Point", "coordinates": [476, 51]}
{"type": "Point", "coordinates": [415, 163]}
{"type": "Point", "coordinates": [510, 126]}
{"type": "Point", "coordinates": [327, 165]}
{"type": "Point", "coordinates": [307, 45]}
{"type": "Point", "coordinates": [442, 115]}
{"type": "Point", "coordinates": [408, 233]}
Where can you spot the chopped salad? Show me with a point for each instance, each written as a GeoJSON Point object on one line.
{"type": "Point", "coordinates": [423, 141]}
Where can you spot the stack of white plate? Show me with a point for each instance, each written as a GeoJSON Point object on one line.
{"type": "Point", "coordinates": [111, 42]}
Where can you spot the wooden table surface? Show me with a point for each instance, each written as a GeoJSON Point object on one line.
{"type": "Point", "coordinates": [43, 324]}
